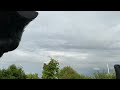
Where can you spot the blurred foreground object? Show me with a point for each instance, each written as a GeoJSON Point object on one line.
{"type": "Point", "coordinates": [117, 71]}
{"type": "Point", "coordinates": [12, 25]}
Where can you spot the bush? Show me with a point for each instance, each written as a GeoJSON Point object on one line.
{"type": "Point", "coordinates": [104, 75]}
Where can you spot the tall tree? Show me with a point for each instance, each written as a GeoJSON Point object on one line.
{"type": "Point", "coordinates": [51, 70]}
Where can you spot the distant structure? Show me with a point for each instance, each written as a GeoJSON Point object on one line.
{"type": "Point", "coordinates": [12, 24]}
{"type": "Point", "coordinates": [108, 68]}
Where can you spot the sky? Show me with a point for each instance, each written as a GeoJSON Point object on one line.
{"type": "Point", "coordinates": [84, 40]}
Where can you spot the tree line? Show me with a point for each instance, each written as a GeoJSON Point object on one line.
{"type": "Point", "coordinates": [51, 70]}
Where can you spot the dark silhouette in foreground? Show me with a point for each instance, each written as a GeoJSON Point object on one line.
{"type": "Point", "coordinates": [117, 71]}
{"type": "Point", "coordinates": [12, 24]}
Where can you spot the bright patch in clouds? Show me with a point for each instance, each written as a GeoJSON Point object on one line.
{"type": "Point", "coordinates": [68, 54]}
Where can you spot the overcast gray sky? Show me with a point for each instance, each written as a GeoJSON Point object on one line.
{"type": "Point", "coordinates": [84, 40]}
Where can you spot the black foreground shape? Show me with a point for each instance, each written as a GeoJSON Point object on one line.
{"type": "Point", "coordinates": [12, 24]}
{"type": "Point", "coordinates": [117, 71]}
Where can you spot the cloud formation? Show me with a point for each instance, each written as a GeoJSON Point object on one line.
{"type": "Point", "coordinates": [85, 40]}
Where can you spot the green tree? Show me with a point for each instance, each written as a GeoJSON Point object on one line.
{"type": "Point", "coordinates": [32, 76]}
{"type": "Point", "coordinates": [12, 72]}
{"type": "Point", "coordinates": [51, 70]}
{"type": "Point", "coordinates": [69, 73]}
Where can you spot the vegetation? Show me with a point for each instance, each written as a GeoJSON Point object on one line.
{"type": "Point", "coordinates": [52, 71]}
{"type": "Point", "coordinates": [104, 75]}
{"type": "Point", "coordinates": [69, 73]}
{"type": "Point", "coordinates": [32, 76]}
{"type": "Point", "coordinates": [12, 72]}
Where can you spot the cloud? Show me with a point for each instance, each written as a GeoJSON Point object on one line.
{"type": "Point", "coordinates": [85, 40]}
